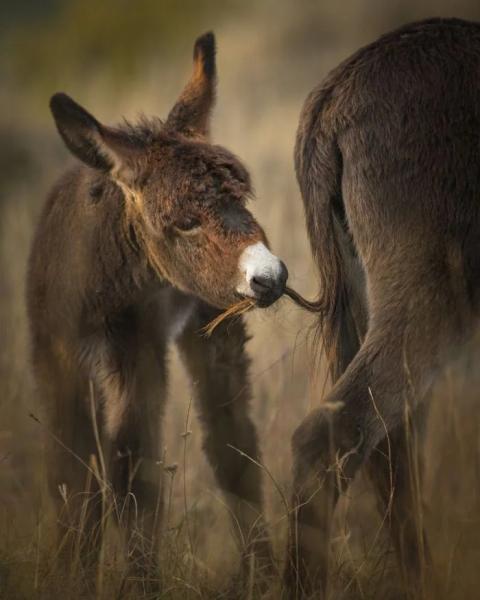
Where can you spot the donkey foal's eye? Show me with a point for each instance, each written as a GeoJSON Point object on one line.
{"type": "Point", "coordinates": [188, 224]}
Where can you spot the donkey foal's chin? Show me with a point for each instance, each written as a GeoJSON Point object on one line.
{"type": "Point", "coordinates": [264, 275]}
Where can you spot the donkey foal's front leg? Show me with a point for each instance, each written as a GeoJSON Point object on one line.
{"type": "Point", "coordinates": [219, 371]}
{"type": "Point", "coordinates": [131, 383]}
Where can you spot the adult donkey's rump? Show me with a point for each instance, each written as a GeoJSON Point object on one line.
{"type": "Point", "coordinates": [388, 162]}
{"type": "Point", "coordinates": [146, 241]}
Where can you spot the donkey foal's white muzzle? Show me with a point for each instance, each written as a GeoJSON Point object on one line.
{"type": "Point", "coordinates": [264, 274]}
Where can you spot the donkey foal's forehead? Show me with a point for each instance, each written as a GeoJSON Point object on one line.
{"type": "Point", "coordinates": [199, 170]}
{"type": "Point", "coordinates": [185, 170]}
{"type": "Point", "coordinates": [212, 160]}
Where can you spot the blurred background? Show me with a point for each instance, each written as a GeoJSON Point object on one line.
{"type": "Point", "coordinates": [121, 58]}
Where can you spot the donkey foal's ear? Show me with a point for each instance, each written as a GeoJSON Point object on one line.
{"type": "Point", "coordinates": [204, 55]}
{"type": "Point", "coordinates": [191, 113]}
{"type": "Point", "coordinates": [94, 144]}
{"type": "Point", "coordinates": [80, 131]}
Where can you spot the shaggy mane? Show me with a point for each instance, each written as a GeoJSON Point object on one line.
{"type": "Point", "coordinates": [144, 131]}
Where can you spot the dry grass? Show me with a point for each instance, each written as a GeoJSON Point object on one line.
{"type": "Point", "coordinates": [262, 85]}
{"type": "Point", "coordinates": [247, 304]}
{"type": "Point", "coordinates": [235, 310]}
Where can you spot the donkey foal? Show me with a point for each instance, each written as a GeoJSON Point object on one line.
{"type": "Point", "coordinates": [143, 243]}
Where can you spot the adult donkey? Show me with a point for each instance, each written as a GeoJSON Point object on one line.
{"type": "Point", "coordinates": [388, 162]}
{"type": "Point", "coordinates": [146, 241]}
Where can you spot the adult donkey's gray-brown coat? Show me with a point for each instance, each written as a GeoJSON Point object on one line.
{"type": "Point", "coordinates": [388, 162]}
{"type": "Point", "coordinates": [144, 242]}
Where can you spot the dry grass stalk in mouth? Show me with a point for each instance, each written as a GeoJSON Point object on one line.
{"type": "Point", "coordinates": [236, 309]}
{"type": "Point", "coordinates": [247, 303]}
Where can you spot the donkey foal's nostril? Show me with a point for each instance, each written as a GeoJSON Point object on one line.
{"type": "Point", "coordinates": [264, 282]}
{"type": "Point", "coordinates": [261, 284]}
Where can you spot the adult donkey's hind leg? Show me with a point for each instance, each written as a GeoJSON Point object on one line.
{"type": "Point", "coordinates": [395, 469]}
{"type": "Point", "coordinates": [219, 370]}
{"type": "Point", "coordinates": [366, 404]}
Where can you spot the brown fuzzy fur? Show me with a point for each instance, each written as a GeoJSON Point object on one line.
{"type": "Point", "coordinates": [138, 245]}
{"type": "Point", "coordinates": [388, 163]}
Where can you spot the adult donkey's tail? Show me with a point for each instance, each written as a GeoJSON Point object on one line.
{"type": "Point", "coordinates": [341, 305]}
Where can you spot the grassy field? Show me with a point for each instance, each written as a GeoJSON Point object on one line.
{"type": "Point", "coordinates": [270, 55]}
